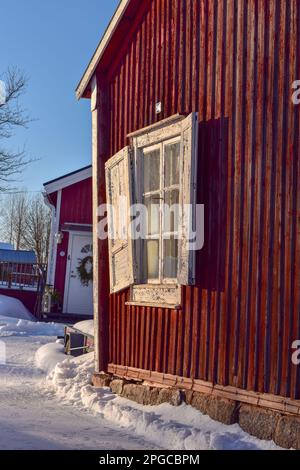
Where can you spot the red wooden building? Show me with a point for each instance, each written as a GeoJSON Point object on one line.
{"type": "Point", "coordinates": [70, 198]}
{"type": "Point", "coordinates": [174, 86]}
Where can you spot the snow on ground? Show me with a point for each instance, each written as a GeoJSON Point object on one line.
{"type": "Point", "coordinates": [86, 327]}
{"type": "Point", "coordinates": [14, 327]}
{"type": "Point", "coordinates": [33, 418]}
{"type": "Point", "coordinates": [180, 428]}
{"type": "Point", "coordinates": [16, 320]}
{"type": "Point", "coordinates": [49, 355]}
{"type": "Point", "coordinates": [64, 411]}
{"type": "Point", "coordinates": [10, 307]}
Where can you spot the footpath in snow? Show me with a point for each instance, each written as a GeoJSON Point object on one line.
{"type": "Point", "coordinates": [32, 418]}
{"type": "Point", "coordinates": [63, 410]}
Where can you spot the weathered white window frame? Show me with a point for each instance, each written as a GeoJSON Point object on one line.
{"type": "Point", "coordinates": [121, 261]}
{"type": "Point", "coordinates": [127, 271]}
{"type": "Point", "coordinates": [166, 292]}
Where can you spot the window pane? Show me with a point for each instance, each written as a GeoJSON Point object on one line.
{"type": "Point", "coordinates": [172, 153]}
{"type": "Point", "coordinates": [152, 205]}
{"type": "Point", "coordinates": [151, 259]}
{"type": "Point", "coordinates": [152, 171]}
{"type": "Point", "coordinates": [170, 258]}
{"type": "Point", "coordinates": [171, 211]}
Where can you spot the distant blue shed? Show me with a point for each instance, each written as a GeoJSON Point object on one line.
{"type": "Point", "coordinates": [18, 256]}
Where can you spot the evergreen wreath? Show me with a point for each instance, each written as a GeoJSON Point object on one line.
{"type": "Point", "coordinates": [85, 276]}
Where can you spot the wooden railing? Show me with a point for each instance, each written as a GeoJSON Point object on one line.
{"type": "Point", "coordinates": [25, 282]}
{"type": "Point", "coordinates": [22, 275]}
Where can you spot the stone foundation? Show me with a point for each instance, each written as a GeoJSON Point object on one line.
{"type": "Point", "coordinates": [265, 424]}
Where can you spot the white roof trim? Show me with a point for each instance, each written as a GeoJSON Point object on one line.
{"type": "Point", "coordinates": [90, 70]}
{"type": "Point", "coordinates": [68, 181]}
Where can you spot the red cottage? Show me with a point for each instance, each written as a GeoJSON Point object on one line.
{"type": "Point", "coordinates": [192, 103]}
{"type": "Point", "coordinates": [70, 198]}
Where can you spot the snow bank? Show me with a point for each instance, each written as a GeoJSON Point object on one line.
{"type": "Point", "coordinates": [49, 355]}
{"type": "Point", "coordinates": [27, 328]}
{"type": "Point", "coordinates": [13, 327]}
{"type": "Point", "coordinates": [14, 308]}
{"type": "Point", "coordinates": [179, 428]}
{"type": "Point", "coordinates": [86, 327]}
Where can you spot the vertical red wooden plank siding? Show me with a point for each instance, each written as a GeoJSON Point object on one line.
{"type": "Point", "coordinates": [142, 338]}
{"type": "Point", "coordinates": [296, 207]}
{"type": "Point", "coordinates": [276, 209]}
{"type": "Point", "coordinates": [114, 314]}
{"type": "Point", "coordinates": [283, 274]}
{"type": "Point", "coordinates": [166, 339]}
{"type": "Point", "coordinates": [195, 339]}
{"type": "Point", "coordinates": [246, 191]}
{"type": "Point", "coordinates": [292, 189]}
{"type": "Point", "coordinates": [152, 339]}
{"type": "Point", "coordinates": [187, 335]}
{"type": "Point", "coordinates": [159, 340]}
{"type": "Point", "coordinates": [252, 199]}
{"type": "Point", "coordinates": [134, 338]}
{"type": "Point", "coordinates": [76, 203]}
{"type": "Point", "coordinates": [232, 61]}
{"type": "Point", "coordinates": [227, 109]}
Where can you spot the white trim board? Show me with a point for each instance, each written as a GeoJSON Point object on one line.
{"type": "Point", "coordinates": [53, 252]}
{"type": "Point", "coordinates": [68, 180]}
{"type": "Point", "coordinates": [76, 224]}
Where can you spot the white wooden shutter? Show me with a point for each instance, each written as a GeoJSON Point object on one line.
{"type": "Point", "coordinates": [188, 194]}
{"type": "Point", "coordinates": [119, 200]}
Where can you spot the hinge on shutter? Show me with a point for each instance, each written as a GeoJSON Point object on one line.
{"type": "Point", "coordinates": [131, 155]}
{"type": "Point", "coordinates": [135, 273]}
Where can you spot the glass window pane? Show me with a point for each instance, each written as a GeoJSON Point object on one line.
{"type": "Point", "coordinates": [151, 259]}
{"type": "Point", "coordinates": [152, 171]}
{"type": "Point", "coordinates": [171, 211]}
{"type": "Point", "coordinates": [152, 205]}
{"type": "Point", "coordinates": [172, 153]}
{"type": "Point", "coordinates": [170, 258]}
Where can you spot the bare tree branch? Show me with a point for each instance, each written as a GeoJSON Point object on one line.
{"type": "Point", "coordinates": [12, 116]}
{"type": "Point", "coordinates": [25, 222]}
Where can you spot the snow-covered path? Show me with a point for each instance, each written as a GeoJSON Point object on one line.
{"type": "Point", "coordinates": [64, 411]}
{"type": "Point", "coordinates": [32, 419]}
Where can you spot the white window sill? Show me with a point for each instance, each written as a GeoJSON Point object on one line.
{"type": "Point", "coordinates": [156, 295]}
{"type": "Point", "coordinates": [153, 304]}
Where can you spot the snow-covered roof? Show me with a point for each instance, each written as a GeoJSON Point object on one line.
{"type": "Point", "coordinates": [86, 327]}
{"type": "Point", "coordinates": [68, 180]}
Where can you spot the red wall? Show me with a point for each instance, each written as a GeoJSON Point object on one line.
{"type": "Point", "coordinates": [233, 62]}
{"type": "Point", "coordinates": [76, 207]}
{"type": "Point", "coordinates": [76, 203]}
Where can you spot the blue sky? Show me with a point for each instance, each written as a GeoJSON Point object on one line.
{"type": "Point", "coordinates": [52, 41]}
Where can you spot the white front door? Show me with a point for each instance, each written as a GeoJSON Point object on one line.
{"type": "Point", "coordinates": [78, 291]}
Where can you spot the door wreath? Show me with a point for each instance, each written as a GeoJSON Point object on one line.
{"type": "Point", "coordinates": [85, 270]}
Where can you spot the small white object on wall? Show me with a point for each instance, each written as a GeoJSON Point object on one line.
{"type": "Point", "coordinates": [158, 107]}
